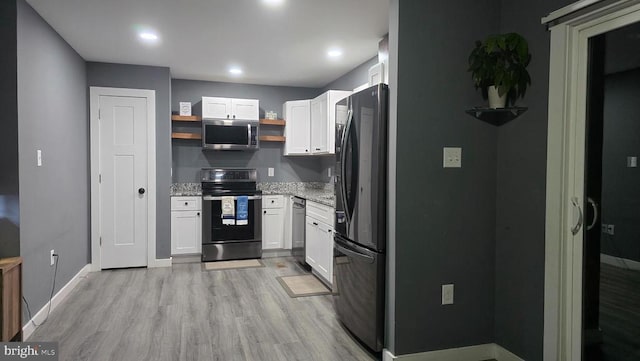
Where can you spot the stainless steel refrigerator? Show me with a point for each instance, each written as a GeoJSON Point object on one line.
{"type": "Point", "coordinates": [361, 213]}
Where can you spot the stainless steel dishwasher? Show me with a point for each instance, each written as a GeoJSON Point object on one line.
{"type": "Point", "coordinates": [298, 243]}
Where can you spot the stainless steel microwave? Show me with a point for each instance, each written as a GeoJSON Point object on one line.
{"type": "Point", "coordinates": [230, 134]}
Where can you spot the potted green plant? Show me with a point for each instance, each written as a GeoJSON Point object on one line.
{"type": "Point", "coordinates": [498, 67]}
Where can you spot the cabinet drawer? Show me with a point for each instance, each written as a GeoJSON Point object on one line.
{"type": "Point", "coordinates": [185, 203]}
{"type": "Point", "coordinates": [320, 212]}
{"type": "Point", "coordinates": [272, 202]}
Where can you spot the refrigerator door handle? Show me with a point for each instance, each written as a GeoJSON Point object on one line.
{"type": "Point", "coordinates": [343, 170]}
{"type": "Point", "coordinates": [340, 246]}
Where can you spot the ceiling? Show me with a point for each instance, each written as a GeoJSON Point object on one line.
{"type": "Point", "coordinates": [202, 39]}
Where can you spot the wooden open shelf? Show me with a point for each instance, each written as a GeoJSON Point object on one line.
{"type": "Point", "coordinates": [176, 135]}
{"type": "Point", "coordinates": [273, 122]}
{"type": "Point", "coordinates": [186, 118]}
{"type": "Point", "coordinates": [272, 138]}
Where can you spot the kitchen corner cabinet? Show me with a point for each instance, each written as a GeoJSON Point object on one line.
{"type": "Point", "coordinates": [323, 121]}
{"type": "Point", "coordinates": [229, 108]}
{"type": "Point", "coordinates": [186, 225]}
{"type": "Point", "coordinates": [319, 239]}
{"type": "Point", "coordinates": [273, 212]}
{"type": "Point", "coordinates": [297, 115]}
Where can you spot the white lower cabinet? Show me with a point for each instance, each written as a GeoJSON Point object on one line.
{"type": "Point", "coordinates": [319, 245]}
{"type": "Point", "coordinates": [273, 212]}
{"type": "Point", "coordinates": [186, 225]}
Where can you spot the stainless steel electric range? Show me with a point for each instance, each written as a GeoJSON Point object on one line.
{"type": "Point", "coordinates": [235, 240]}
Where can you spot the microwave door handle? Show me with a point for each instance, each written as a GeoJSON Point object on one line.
{"type": "Point", "coordinates": [248, 135]}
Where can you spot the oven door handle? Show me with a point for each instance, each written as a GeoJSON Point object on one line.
{"type": "Point", "coordinates": [211, 198]}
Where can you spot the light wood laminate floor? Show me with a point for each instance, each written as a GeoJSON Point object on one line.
{"type": "Point", "coordinates": [184, 313]}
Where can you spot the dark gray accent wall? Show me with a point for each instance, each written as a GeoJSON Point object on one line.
{"type": "Point", "coordinates": [189, 158]}
{"type": "Point", "coordinates": [54, 202]}
{"type": "Point", "coordinates": [353, 79]}
{"type": "Point", "coordinates": [9, 185]}
{"type": "Point", "coordinates": [620, 191]}
{"type": "Point", "coordinates": [521, 179]}
{"type": "Point", "coordinates": [445, 218]}
{"type": "Point", "coordinates": [158, 79]}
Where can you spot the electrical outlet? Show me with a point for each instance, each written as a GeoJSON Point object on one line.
{"type": "Point", "coordinates": [611, 229]}
{"type": "Point", "coordinates": [53, 259]}
{"type": "Point", "coordinates": [329, 172]}
{"type": "Point", "coordinates": [452, 157]}
{"type": "Point", "coordinates": [632, 162]}
{"type": "Point", "coordinates": [39, 157]}
{"type": "Point", "coordinates": [447, 294]}
{"type": "Point", "coordinates": [271, 172]}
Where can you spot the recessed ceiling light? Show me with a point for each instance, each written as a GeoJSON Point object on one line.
{"type": "Point", "coordinates": [273, 2]}
{"type": "Point", "coordinates": [334, 53]}
{"type": "Point", "coordinates": [235, 71]}
{"type": "Point", "coordinates": [148, 36]}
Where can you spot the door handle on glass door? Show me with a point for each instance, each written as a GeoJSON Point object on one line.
{"type": "Point", "coordinates": [576, 228]}
{"type": "Point", "coordinates": [594, 206]}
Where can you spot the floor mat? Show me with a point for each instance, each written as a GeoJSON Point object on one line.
{"type": "Point", "coordinates": [225, 265]}
{"type": "Point", "coordinates": [303, 286]}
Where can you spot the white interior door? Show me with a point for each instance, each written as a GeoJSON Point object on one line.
{"type": "Point", "coordinates": [123, 184]}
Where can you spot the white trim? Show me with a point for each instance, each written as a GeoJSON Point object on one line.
{"type": "Point", "coordinates": [95, 93]}
{"type": "Point", "coordinates": [469, 353]}
{"type": "Point", "coordinates": [569, 9]}
{"type": "Point", "coordinates": [565, 173]}
{"type": "Point", "coordinates": [56, 300]}
{"type": "Point", "coordinates": [163, 262]}
{"type": "Point", "coordinates": [620, 262]}
{"type": "Point", "coordinates": [502, 354]}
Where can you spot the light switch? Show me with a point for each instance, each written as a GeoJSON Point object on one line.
{"type": "Point", "coordinates": [452, 157]}
{"type": "Point", "coordinates": [447, 294]}
{"type": "Point", "coordinates": [632, 162]}
{"type": "Point", "coordinates": [271, 172]}
{"type": "Point", "coordinates": [39, 157]}
{"type": "Point", "coordinates": [329, 172]}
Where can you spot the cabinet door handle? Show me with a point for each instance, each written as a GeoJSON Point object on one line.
{"type": "Point", "coordinates": [198, 214]}
{"type": "Point", "coordinates": [317, 148]}
{"type": "Point", "coordinates": [227, 116]}
{"type": "Point", "coordinates": [186, 203]}
{"type": "Point", "coordinates": [315, 224]}
{"type": "Point", "coordinates": [234, 116]}
{"type": "Point", "coordinates": [265, 212]}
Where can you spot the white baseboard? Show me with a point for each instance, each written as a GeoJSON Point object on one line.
{"type": "Point", "coordinates": [620, 262]}
{"type": "Point", "coordinates": [57, 299]}
{"type": "Point", "coordinates": [469, 353]}
{"type": "Point", "coordinates": [164, 262]}
{"type": "Point", "coordinates": [502, 354]}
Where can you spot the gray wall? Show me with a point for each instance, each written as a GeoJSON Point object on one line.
{"type": "Point", "coordinates": [354, 78]}
{"type": "Point", "coordinates": [54, 202]}
{"type": "Point", "coordinates": [522, 151]}
{"type": "Point", "coordinates": [188, 156]}
{"type": "Point", "coordinates": [158, 79]}
{"type": "Point", "coordinates": [445, 218]}
{"type": "Point", "coordinates": [620, 191]}
{"type": "Point", "coordinates": [9, 204]}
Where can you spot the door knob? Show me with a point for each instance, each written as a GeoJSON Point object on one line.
{"type": "Point", "coordinates": [141, 190]}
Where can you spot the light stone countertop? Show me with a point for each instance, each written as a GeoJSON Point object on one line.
{"type": "Point", "coordinates": [322, 193]}
{"type": "Point", "coordinates": [313, 191]}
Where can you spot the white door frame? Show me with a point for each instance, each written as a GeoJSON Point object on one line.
{"type": "Point", "coordinates": [565, 173]}
{"type": "Point", "coordinates": [94, 125]}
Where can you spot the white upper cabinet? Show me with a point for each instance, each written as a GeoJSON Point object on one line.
{"type": "Point", "coordinates": [323, 121]}
{"type": "Point", "coordinates": [228, 108]}
{"type": "Point", "coordinates": [298, 127]}
{"type": "Point", "coordinates": [246, 109]}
